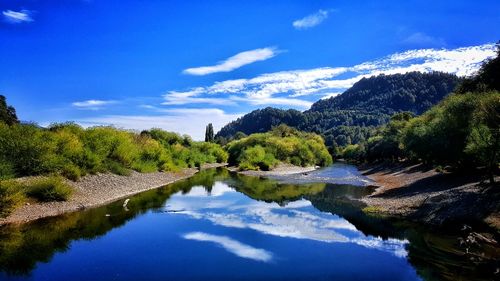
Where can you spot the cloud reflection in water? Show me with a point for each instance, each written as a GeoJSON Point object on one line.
{"type": "Point", "coordinates": [232, 246]}
{"type": "Point", "coordinates": [299, 220]}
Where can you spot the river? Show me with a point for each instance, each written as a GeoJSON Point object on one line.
{"type": "Point", "coordinates": [219, 225]}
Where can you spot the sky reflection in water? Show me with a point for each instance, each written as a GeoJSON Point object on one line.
{"type": "Point", "coordinates": [224, 206]}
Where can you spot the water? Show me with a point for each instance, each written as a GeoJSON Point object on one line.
{"type": "Point", "coordinates": [338, 173]}
{"type": "Point", "coordinates": [223, 226]}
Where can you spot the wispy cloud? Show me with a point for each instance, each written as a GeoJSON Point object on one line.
{"type": "Point", "coordinates": [311, 20]}
{"type": "Point", "coordinates": [191, 121]}
{"type": "Point", "coordinates": [192, 97]}
{"type": "Point", "coordinates": [232, 246]}
{"type": "Point", "coordinates": [92, 104]}
{"type": "Point", "coordinates": [17, 17]}
{"type": "Point", "coordinates": [236, 61]}
{"type": "Point", "coordinates": [291, 88]}
{"type": "Point", "coordinates": [422, 39]}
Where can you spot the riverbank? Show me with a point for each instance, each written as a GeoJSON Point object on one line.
{"type": "Point", "coordinates": [280, 170]}
{"type": "Point", "coordinates": [96, 190]}
{"type": "Point", "coordinates": [422, 194]}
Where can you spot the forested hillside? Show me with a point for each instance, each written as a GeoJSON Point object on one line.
{"type": "Point", "coordinates": [351, 116]}
{"type": "Point", "coordinates": [462, 131]}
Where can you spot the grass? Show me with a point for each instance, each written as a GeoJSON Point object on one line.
{"type": "Point", "coordinates": [11, 196]}
{"type": "Point", "coordinates": [52, 188]}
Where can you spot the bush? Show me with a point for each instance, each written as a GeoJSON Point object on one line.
{"type": "Point", "coordinates": [71, 172]}
{"type": "Point", "coordinates": [11, 196]}
{"type": "Point", "coordinates": [6, 170]}
{"type": "Point", "coordinates": [52, 188]}
{"type": "Point", "coordinates": [282, 144]}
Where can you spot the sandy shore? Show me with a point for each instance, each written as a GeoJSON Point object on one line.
{"type": "Point", "coordinates": [423, 194]}
{"type": "Point", "coordinates": [97, 190]}
{"type": "Point", "coordinates": [280, 170]}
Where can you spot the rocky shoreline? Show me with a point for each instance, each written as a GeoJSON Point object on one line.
{"type": "Point", "coordinates": [422, 194]}
{"type": "Point", "coordinates": [96, 190]}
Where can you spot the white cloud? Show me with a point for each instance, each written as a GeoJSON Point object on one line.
{"type": "Point", "coordinates": [422, 39]}
{"type": "Point", "coordinates": [92, 104]}
{"type": "Point", "coordinates": [191, 121]}
{"type": "Point", "coordinates": [330, 95]}
{"type": "Point", "coordinates": [191, 97]}
{"type": "Point", "coordinates": [17, 17]}
{"type": "Point", "coordinates": [235, 61]}
{"type": "Point", "coordinates": [286, 87]}
{"type": "Point", "coordinates": [232, 246]}
{"type": "Point", "coordinates": [311, 20]}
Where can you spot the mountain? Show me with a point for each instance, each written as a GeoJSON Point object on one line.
{"type": "Point", "coordinates": [351, 116]}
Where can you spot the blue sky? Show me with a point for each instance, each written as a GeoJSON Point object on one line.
{"type": "Point", "coordinates": [181, 64]}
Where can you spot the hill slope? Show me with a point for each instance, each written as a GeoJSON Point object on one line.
{"type": "Point", "coordinates": [350, 117]}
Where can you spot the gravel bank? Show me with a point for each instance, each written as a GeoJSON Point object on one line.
{"type": "Point", "coordinates": [280, 170]}
{"type": "Point", "coordinates": [96, 190]}
{"type": "Point", "coordinates": [422, 194]}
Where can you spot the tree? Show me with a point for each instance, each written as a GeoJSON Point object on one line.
{"type": "Point", "coordinates": [484, 140]}
{"type": "Point", "coordinates": [7, 113]}
{"type": "Point", "coordinates": [209, 133]}
{"type": "Point", "coordinates": [486, 79]}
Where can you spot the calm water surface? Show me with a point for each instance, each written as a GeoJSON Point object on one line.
{"type": "Point", "coordinates": [223, 226]}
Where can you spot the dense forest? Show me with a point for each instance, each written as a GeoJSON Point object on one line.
{"type": "Point", "coordinates": [462, 131]}
{"type": "Point", "coordinates": [351, 117]}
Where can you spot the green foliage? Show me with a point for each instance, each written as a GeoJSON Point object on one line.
{"type": "Point", "coordinates": [209, 133]}
{"type": "Point", "coordinates": [487, 78]}
{"type": "Point", "coordinates": [282, 144]}
{"type": "Point", "coordinates": [52, 188]}
{"type": "Point", "coordinates": [386, 145]}
{"type": "Point", "coordinates": [7, 113]}
{"type": "Point", "coordinates": [69, 150]}
{"type": "Point", "coordinates": [440, 135]}
{"type": "Point", "coordinates": [354, 152]}
{"type": "Point", "coordinates": [461, 131]}
{"type": "Point", "coordinates": [352, 117]}
{"type": "Point", "coordinates": [483, 141]}
{"type": "Point", "coordinates": [255, 158]}
{"type": "Point", "coordinates": [11, 196]}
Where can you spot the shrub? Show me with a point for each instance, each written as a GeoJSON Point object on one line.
{"type": "Point", "coordinates": [71, 172]}
{"type": "Point", "coordinates": [11, 196]}
{"type": "Point", "coordinates": [116, 168]}
{"type": "Point", "coordinates": [282, 144]}
{"type": "Point", "coordinates": [6, 170]}
{"type": "Point", "coordinates": [72, 151]}
{"type": "Point", "coordinates": [52, 188]}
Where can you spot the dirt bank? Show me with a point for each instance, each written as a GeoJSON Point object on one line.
{"type": "Point", "coordinates": [423, 194]}
{"type": "Point", "coordinates": [97, 190]}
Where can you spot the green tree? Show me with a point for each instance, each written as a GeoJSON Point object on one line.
{"type": "Point", "coordinates": [7, 113]}
{"type": "Point", "coordinates": [209, 133]}
{"type": "Point", "coordinates": [483, 142]}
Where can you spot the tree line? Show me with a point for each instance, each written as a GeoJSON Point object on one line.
{"type": "Point", "coordinates": [351, 117]}
{"type": "Point", "coordinates": [462, 131]}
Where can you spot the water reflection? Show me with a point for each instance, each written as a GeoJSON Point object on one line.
{"type": "Point", "coordinates": [338, 173]}
{"type": "Point", "coordinates": [298, 220]}
{"type": "Point", "coordinates": [252, 219]}
{"type": "Point", "coordinates": [232, 246]}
